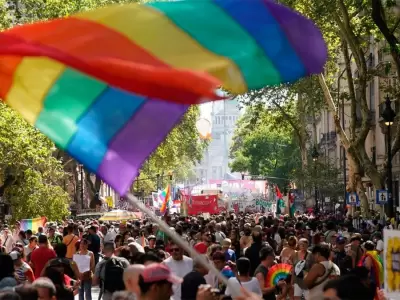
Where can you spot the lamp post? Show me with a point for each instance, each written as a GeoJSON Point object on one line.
{"type": "Point", "coordinates": [388, 116]}
{"type": "Point", "coordinates": [81, 187]}
{"type": "Point", "coordinates": [315, 155]}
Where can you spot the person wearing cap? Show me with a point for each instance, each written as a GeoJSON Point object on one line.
{"type": "Point", "coordinates": [23, 272]}
{"type": "Point", "coordinates": [42, 255]}
{"type": "Point", "coordinates": [341, 257]}
{"type": "Point", "coordinates": [155, 282]}
{"type": "Point", "coordinates": [355, 251]}
{"type": "Point", "coordinates": [152, 242]}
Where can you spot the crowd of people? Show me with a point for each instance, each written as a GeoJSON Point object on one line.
{"type": "Point", "coordinates": [329, 258]}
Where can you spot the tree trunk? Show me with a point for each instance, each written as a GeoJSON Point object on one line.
{"type": "Point", "coordinates": [301, 131]}
{"type": "Point", "coordinates": [355, 167]}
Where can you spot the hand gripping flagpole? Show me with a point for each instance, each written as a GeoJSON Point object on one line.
{"type": "Point", "coordinates": [180, 242]}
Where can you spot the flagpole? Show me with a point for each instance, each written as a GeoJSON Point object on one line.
{"type": "Point", "coordinates": [180, 242]}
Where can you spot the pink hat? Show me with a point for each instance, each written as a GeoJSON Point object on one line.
{"type": "Point", "coordinates": [159, 272]}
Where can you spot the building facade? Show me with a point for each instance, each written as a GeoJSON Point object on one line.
{"type": "Point", "coordinates": [215, 162]}
{"type": "Point", "coordinates": [329, 144]}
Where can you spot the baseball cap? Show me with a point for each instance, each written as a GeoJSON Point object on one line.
{"type": "Point", "coordinates": [159, 272]}
{"type": "Point", "coordinates": [340, 240]}
{"type": "Point", "coordinates": [15, 255]}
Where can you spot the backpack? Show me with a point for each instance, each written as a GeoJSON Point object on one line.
{"type": "Point", "coordinates": [113, 276]}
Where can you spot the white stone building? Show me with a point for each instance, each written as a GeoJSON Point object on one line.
{"type": "Point", "coordinates": [215, 163]}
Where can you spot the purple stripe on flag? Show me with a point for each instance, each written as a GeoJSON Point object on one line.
{"type": "Point", "coordinates": [137, 140]}
{"type": "Point", "coordinates": [303, 35]}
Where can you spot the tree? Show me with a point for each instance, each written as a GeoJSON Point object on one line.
{"type": "Point", "coordinates": [29, 173]}
{"type": "Point", "coordinates": [385, 15]}
{"type": "Point", "coordinates": [322, 175]}
{"type": "Point", "coordinates": [261, 148]}
{"type": "Point", "coordinates": [347, 27]}
{"type": "Point", "coordinates": [288, 106]}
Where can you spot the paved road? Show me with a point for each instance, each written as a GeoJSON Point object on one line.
{"type": "Point", "coordinates": [95, 294]}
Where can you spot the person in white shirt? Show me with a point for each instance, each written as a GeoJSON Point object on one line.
{"type": "Point", "coordinates": [379, 244]}
{"type": "Point", "coordinates": [111, 234]}
{"type": "Point", "coordinates": [16, 231]}
{"type": "Point", "coordinates": [243, 279]}
{"type": "Point", "coordinates": [180, 265]}
{"type": "Point", "coordinates": [219, 235]}
{"type": "Point", "coordinates": [7, 240]}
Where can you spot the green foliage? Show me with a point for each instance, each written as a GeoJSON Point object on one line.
{"type": "Point", "coordinates": [322, 174]}
{"type": "Point", "coordinates": [29, 170]}
{"type": "Point", "coordinates": [286, 104]}
{"type": "Point", "coordinates": [263, 149]}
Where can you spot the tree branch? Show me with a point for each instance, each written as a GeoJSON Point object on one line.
{"type": "Point", "coordinates": [395, 26]}
{"type": "Point", "coordinates": [377, 16]}
{"type": "Point", "coordinates": [287, 116]}
{"type": "Point", "coordinates": [331, 104]}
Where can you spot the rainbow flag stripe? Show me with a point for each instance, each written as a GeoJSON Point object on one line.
{"type": "Point", "coordinates": [32, 224]}
{"type": "Point", "coordinates": [108, 85]}
{"type": "Point", "coordinates": [165, 197]}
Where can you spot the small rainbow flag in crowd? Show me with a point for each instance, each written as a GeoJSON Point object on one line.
{"type": "Point", "coordinates": [32, 224]}
{"type": "Point", "coordinates": [165, 197]}
{"type": "Point", "coordinates": [280, 204]}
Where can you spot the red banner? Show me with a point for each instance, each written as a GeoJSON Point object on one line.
{"type": "Point", "coordinates": [203, 204]}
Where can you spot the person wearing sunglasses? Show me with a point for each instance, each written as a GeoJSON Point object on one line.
{"type": "Point", "coordinates": [180, 265]}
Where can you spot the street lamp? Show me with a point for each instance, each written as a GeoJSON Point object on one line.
{"type": "Point", "coordinates": [81, 187]}
{"type": "Point", "coordinates": [388, 116]}
{"type": "Point", "coordinates": [315, 155]}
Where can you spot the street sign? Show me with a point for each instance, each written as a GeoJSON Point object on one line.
{"type": "Point", "coordinates": [352, 199]}
{"type": "Point", "coordinates": [382, 197]}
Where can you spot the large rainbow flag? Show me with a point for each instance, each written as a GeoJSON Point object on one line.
{"type": "Point", "coordinates": [108, 85]}
{"type": "Point", "coordinates": [32, 224]}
